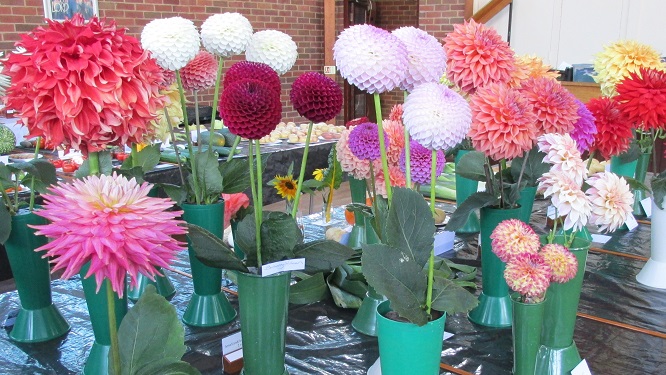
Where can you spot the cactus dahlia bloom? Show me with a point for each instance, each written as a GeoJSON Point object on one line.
{"type": "Point", "coordinates": [226, 34]}
{"type": "Point", "coordinates": [613, 127]}
{"type": "Point", "coordinates": [316, 97]}
{"type": "Point", "coordinates": [172, 42]}
{"type": "Point", "coordinates": [426, 59]}
{"type": "Point", "coordinates": [273, 48]}
{"type": "Point", "coordinates": [620, 58]}
{"type": "Point", "coordinates": [642, 98]}
{"type": "Point", "coordinates": [110, 222]}
{"type": "Point", "coordinates": [528, 66]}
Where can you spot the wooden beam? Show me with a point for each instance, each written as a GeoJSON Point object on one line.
{"type": "Point", "coordinates": [469, 9]}
{"type": "Point", "coordinates": [329, 37]}
{"type": "Point", "coordinates": [491, 9]}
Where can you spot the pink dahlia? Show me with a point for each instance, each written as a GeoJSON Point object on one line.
{"type": "Point", "coordinates": [111, 223]}
{"type": "Point", "coordinates": [250, 108]}
{"type": "Point", "coordinates": [426, 59]}
{"type": "Point", "coordinates": [513, 237]}
{"type": "Point", "coordinates": [476, 56]}
{"type": "Point", "coordinates": [420, 162]}
{"type": "Point", "coordinates": [554, 105]}
{"type": "Point", "coordinates": [611, 200]}
{"type": "Point", "coordinates": [396, 113]}
{"type": "Point", "coordinates": [529, 275]}
{"type": "Point", "coordinates": [642, 97]}
{"type": "Point", "coordinates": [243, 70]}
{"type": "Point", "coordinates": [584, 129]}
{"type": "Point", "coordinates": [349, 163]}
{"type": "Point", "coordinates": [613, 128]}
{"type": "Point", "coordinates": [561, 261]}
{"type": "Point", "coordinates": [562, 152]}
{"type": "Point", "coordinates": [567, 197]}
{"type": "Point", "coordinates": [200, 73]}
{"type": "Point", "coordinates": [233, 203]}
{"type": "Point", "coordinates": [364, 141]}
{"type": "Point", "coordinates": [168, 78]}
{"type": "Point", "coordinates": [396, 176]}
{"type": "Point", "coordinates": [316, 97]}
{"type": "Point", "coordinates": [83, 84]}
{"type": "Point", "coordinates": [502, 122]}
{"type": "Point", "coordinates": [396, 135]}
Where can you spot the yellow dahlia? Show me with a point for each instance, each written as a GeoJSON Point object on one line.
{"type": "Point", "coordinates": [160, 127]}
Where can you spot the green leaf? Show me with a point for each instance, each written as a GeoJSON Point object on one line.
{"type": "Point", "coordinates": [473, 202]}
{"type": "Point", "coordinates": [246, 238]}
{"type": "Point", "coordinates": [208, 174]}
{"type": "Point", "coordinates": [534, 168]}
{"type": "Point", "coordinates": [380, 212]}
{"type": "Point", "coordinates": [309, 289]}
{"type": "Point", "coordinates": [46, 172]}
{"type": "Point", "coordinates": [5, 223]}
{"type": "Point", "coordinates": [658, 184]}
{"type": "Point", "coordinates": [333, 176]}
{"type": "Point", "coordinates": [346, 290]}
{"type": "Point", "coordinates": [105, 165]}
{"type": "Point", "coordinates": [279, 235]}
{"type": "Point", "coordinates": [235, 176]}
{"type": "Point", "coordinates": [212, 251]}
{"type": "Point", "coordinates": [410, 224]}
{"type": "Point", "coordinates": [396, 275]}
{"type": "Point", "coordinates": [22, 166]}
{"type": "Point", "coordinates": [130, 173]}
{"type": "Point", "coordinates": [632, 153]}
{"type": "Point", "coordinates": [172, 368]}
{"type": "Point", "coordinates": [323, 255]}
{"type": "Point", "coordinates": [470, 166]}
{"type": "Point", "coordinates": [146, 159]}
{"type": "Point", "coordinates": [451, 298]}
{"type": "Point", "coordinates": [175, 192]}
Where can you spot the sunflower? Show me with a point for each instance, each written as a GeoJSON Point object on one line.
{"type": "Point", "coordinates": [319, 174]}
{"type": "Point", "coordinates": [285, 186]}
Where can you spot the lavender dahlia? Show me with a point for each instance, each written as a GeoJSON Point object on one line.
{"type": "Point", "coordinates": [364, 141]}
{"type": "Point", "coordinates": [420, 161]}
{"type": "Point", "coordinates": [426, 59]}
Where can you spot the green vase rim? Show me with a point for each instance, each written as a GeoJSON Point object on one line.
{"type": "Point", "coordinates": [515, 295]}
{"type": "Point", "coordinates": [386, 305]}
{"type": "Point", "coordinates": [576, 245]}
{"type": "Point", "coordinates": [194, 206]}
{"type": "Point", "coordinates": [275, 275]}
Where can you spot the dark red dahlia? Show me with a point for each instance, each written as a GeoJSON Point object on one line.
{"type": "Point", "coordinates": [613, 128]}
{"type": "Point", "coordinates": [316, 97]}
{"type": "Point", "coordinates": [243, 70]}
{"type": "Point", "coordinates": [642, 98]}
{"type": "Point", "coordinates": [250, 108]}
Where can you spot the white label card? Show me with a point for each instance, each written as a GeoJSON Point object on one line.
{"type": "Point", "coordinates": [647, 206]}
{"type": "Point", "coordinates": [581, 369]}
{"type": "Point", "coordinates": [631, 222]}
{"type": "Point", "coordinates": [285, 265]}
{"type": "Point", "coordinates": [600, 238]}
{"type": "Point", "coordinates": [4, 159]}
{"type": "Point", "coordinates": [447, 335]}
{"type": "Point", "coordinates": [551, 212]}
{"type": "Point", "coordinates": [232, 343]}
{"type": "Point", "coordinates": [234, 356]}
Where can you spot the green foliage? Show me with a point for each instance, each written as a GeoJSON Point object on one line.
{"type": "Point", "coordinates": [105, 165]}
{"type": "Point", "coordinates": [139, 163]}
{"type": "Point", "coordinates": [473, 202]}
{"type": "Point", "coordinates": [659, 189]}
{"type": "Point", "coordinates": [212, 251]}
{"type": "Point", "coordinates": [534, 167]}
{"type": "Point", "coordinates": [308, 289]}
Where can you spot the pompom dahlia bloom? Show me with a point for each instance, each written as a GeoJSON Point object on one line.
{"type": "Point", "coordinates": [567, 197]}
{"type": "Point", "coordinates": [554, 105]}
{"type": "Point", "coordinates": [316, 97]}
{"type": "Point", "coordinates": [426, 59]}
{"type": "Point", "coordinates": [561, 151]}
{"type": "Point", "coordinates": [233, 203]}
{"type": "Point", "coordinates": [476, 56]}
{"type": "Point", "coordinates": [420, 162]}
{"type": "Point", "coordinates": [273, 48]}
{"type": "Point", "coordinates": [529, 275]}
{"type": "Point", "coordinates": [243, 70]}
{"type": "Point", "coordinates": [250, 108]}
{"type": "Point", "coordinates": [226, 34]}
{"type": "Point", "coordinates": [173, 42]}
{"type": "Point", "coordinates": [561, 261]}
{"type": "Point", "coordinates": [370, 58]}
{"type": "Point", "coordinates": [349, 163]}
{"type": "Point", "coordinates": [513, 237]}
{"type": "Point", "coordinates": [200, 73]}
{"type": "Point", "coordinates": [364, 141]}
{"type": "Point", "coordinates": [642, 97]}
{"type": "Point", "coordinates": [502, 122]}
{"type": "Point", "coordinates": [619, 59]}
{"type": "Point", "coordinates": [436, 116]}
{"type": "Point", "coordinates": [83, 84]}
{"type": "Point", "coordinates": [611, 200]}
{"type": "Point", "coordinates": [613, 128]}
{"type": "Point", "coordinates": [584, 129]}
{"type": "Point", "coordinates": [168, 78]}
{"type": "Point", "coordinates": [111, 223]}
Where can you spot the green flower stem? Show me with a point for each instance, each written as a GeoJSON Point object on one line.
{"type": "Point", "coordinates": [260, 186]}
{"type": "Point", "coordinates": [431, 261]}
{"type": "Point", "coordinates": [175, 149]}
{"type": "Point", "coordinates": [216, 98]}
{"type": "Point", "coordinates": [301, 175]}
{"type": "Point", "coordinates": [196, 119]}
{"type": "Point", "coordinates": [32, 180]}
{"type": "Point", "coordinates": [113, 328]}
{"type": "Point", "coordinates": [255, 203]}
{"type": "Point", "coordinates": [93, 163]}
{"type": "Point", "coordinates": [233, 148]}
{"type": "Point", "coordinates": [408, 156]}
{"type": "Point", "coordinates": [134, 152]}
{"type": "Point", "coordinates": [188, 136]}
{"type": "Point", "coordinates": [373, 195]}
{"type": "Point", "coordinates": [382, 148]}
{"type": "Point", "coordinates": [589, 160]}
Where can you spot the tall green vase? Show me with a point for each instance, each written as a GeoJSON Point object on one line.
{"type": "Point", "coordinates": [237, 249]}
{"type": "Point", "coordinates": [621, 168]}
{"type": "Point", "coordinates": [558, 354]}
{"type": "Point", "coordinates": [526, 202]}
{"type": "Point", "coordinates": [494, 309]}
{"type": "Point", "coordinates": [208, 306]}
{"type": "Point", "coordinates": [405, 348]}
{"type": "Point", "coordinates": [526, 334]}
{"type": "Point", "coordinates": [38, 319]}
{"type": "Point", "coordinates": [464, 188]}
{"type": "Point", "coordinates": [263, 303]}
{"type": "Point", "coordinates": [641, 172]}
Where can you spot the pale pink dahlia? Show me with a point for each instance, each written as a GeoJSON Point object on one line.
{"type": "Point", "coordinates": [426, 59]}
{"type": "Point", "coordinates": [436, 116]}
{"type": "Point", "coordinates": [584, 129]}
{"type": "Point", "coordinates": [502, 122]}
{"type": "Point", "coordinates": [562, 152]}
{"type": "Point", "coordinates": [529, 275]}
{"type": "Point", "coordinates": [420, 162]}
{"type": "Point", "coordinates": [200, 73]}
{"type": "Point", "coordinates": [567, 197]}
{"type": "Point", "coordinates": [111, 223]}
{"type": "Point", "coordinates": [476, 56]}
{"type": "Point", "coordinates": [561, 261]}
{"type": "Point", "coordinates": [396, 113]}
{"type": "Point", "coordinates": [611, 200]}
{"type": "Point", "coordinates": [349, 163]}
{"type": "Point", "coordinates": [513, 237]}
{"type": "Point", "coordinates": [554, 105]}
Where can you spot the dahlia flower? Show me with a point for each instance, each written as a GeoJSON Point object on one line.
{"type": "Point", "coordinates": [528, 66]}
{"type": "Point", "coordinates": [561, 261]}
{"type": "Point", "coordinates": [226, 34]}
{"type": "Point", "coordinates": [584, 129]}
{"type": "Point", "coordinates": [4, 80]}
{"type": "Point", "coordinates": [200, 73]}
{"type": "Point", "coordinates": [502, 122]}
{"type": "Point", "coordinates": [396, 136]}
{"type": "Point", "coordinates": [370, 58]}
{"type": "Point", "coordinates": [111, 223]}
{"type": "Point", "coordinates": [529, 275]}
{"type": "Point", "coordinates": [476, 56]}
{"type": "Point", "coordinates": [396, 177]}
{"type": "Point", "coordinates": [619, 59]}
{"type": "Point", "coordinates": [173, 42]}
{"type": "Point", "coordinates": [567, 197]}
{"type": "Point", "coordinates": [613, 128]}
{"type": "Point", "coordinates": [364, 141]}
{"type": "Point", "coordinates": [168, 78]}
{"type": "Point", "coordinates": [233, 203]}
{"type": "Point", "coordinates": [436, 116]}
{"type": "Point", "coordinates": [83, 84]}
{"type": "Point", "coordinates": [273, 48]}
{"type": "Point", "coordinates": [349, 163]}
{"type": "Point", "coordinates": [611, 200]}
{"type": "Point", "coordinates": [562, 152]}
{"type": "Point", "coordinates": [243, 70]}
{"type": "Point", "coordinates": [642, 98]}
{"type": "Point", "coordinates": [250, 108]}
{"type": "Point", "coordinates": [513, 237]}
{"type": "Point", "coordinates": [396, 113]}
{"type": "Point", "coordinates": [426, 59]}
{"type": "Point", "coordinates": [554, 105]}
{"type": "Point", "coordinates": [159, 127]}
{"type": "Point", "coordinates": [316, 97]}
{"type": "Point", "coordinates": [420, 162]}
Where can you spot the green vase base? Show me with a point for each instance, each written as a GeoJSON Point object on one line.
{"type": "Point", "coordinates": [365, 320]}
{"type": "Point", "coordinates": [98, 360]}
{"type": "Point", "coordinates": [208, 311]}
{"type": "Point", "coordinates": [39, 325]}
{"type": "Point", "coordinates": [492, 312]}
{"type": "Point", "coordinates": [472, 225]}
{"type": "Point", "coordinates": [356, 237]}
{"type": "Point", "coordinates": [637, 207]}
{"type": "Point", "coordinates": [557, 361]}
{"type": "Point", "coordinates": [162, 283]}
{"type": "Point", "coordinates": [284, 373]}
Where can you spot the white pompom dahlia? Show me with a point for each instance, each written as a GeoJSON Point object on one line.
{"type": "Point", "coordinates": [172, 42]}
{"type": "Point", "coordinates": [273, 48]}
{"type": "Point", "coordinates": [426, 58]}
{"type": "Point", "coordinates": [226, 34]}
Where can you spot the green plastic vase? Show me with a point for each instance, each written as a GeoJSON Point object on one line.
{"type": "Point", "coordinates": [623, 169]}
{"type": "Point", "coordinates": [639, 194]}
{"type": "Point", "coordinates": [494, 309]}
{"type": "Point", "coordinates": [237, 249]}
{"type": "Point", "coordinates": [365, 320]}
{"type": "Point", "coordinates": [405, 348]}
{"type": "Point", "coordinates": [38, 318]}
{"type": "Point", "coordinates": [558, 354]}
{"type": "Point", "coordinates": [526, 334]}
{"type": "Point", "coordinates": [464, 188]}
{"type": "Point", "coordinates": [208, 306]}
{"type": "Point", "coordinates": [362, 231]}
{"type": "Point", "coordinates": [263, 304]}
{"type": "Point", "coordinates": [526, 202]}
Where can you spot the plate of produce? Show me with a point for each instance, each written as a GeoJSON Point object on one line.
{"type": "Point", "coordinates": [24, 156]}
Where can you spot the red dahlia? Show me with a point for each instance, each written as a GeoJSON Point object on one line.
{"type": "Point", "coordinates": [613, 128]}
{"type": "Point", "coordinates": [642, 98]}
{"type": "Point", "coordinates": [243, 70]}
{"type": "Point", "coordinates": [250, 108]}
{"type": "Point", "coordinates": [316, 97]}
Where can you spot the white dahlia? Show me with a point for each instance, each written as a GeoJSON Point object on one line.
{"type": "Point", "coordinates": [273, 48]}
{"type": "Point", "coordinates": [226, 34]}
{"type": "Point", "coordinates": [172, 42]}
{"type": "Point", "coordinates": [567, 197]}
{"type": "Point", "coordinates": [611, 200]}
{"type": "Point", "coordinates": [426, 59]}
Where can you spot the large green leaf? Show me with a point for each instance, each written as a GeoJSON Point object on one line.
{"type": "Point", "coordinates": [473, 202]}
{"type": "Point", "coordinates": [309, 289]}
{"type": "Point", "coordinates": [105, 165]}
{"type": "Point", "coordinates": [212, 251]}
{"type": "Point", "coordinates": [5, 223]}
{"type": "Point", "coordinates": [380, 210]}
{"type": "Point", "coordinates": [346, 290]}
{"type": "Point", "coordinates": [146, 159]}
{"type": "Point", "coordinates": [46, 173]}
{"type": "Point", "coordinates": [245, 236]}
{"type": "Point", "coordinates": [177, 193]}
{"type": "Point", "coordinates": [451, 298]}
{"type": "Point", "coordinates": [22, 166]}
{"type": "Point", "coordinates": [279, 235]}
{"type": "Point", "coordinates": [470, 166]}
{"type": "Point", "coordinates": [208, 174]}
{"type": "Point", "coordinates": [396, 275]}
{"type": "Point", "coordinates": [411, 225]}
{"type": "Point", "coordinates": [658, 184]}
{"type": "Point", "coordinates": [323, 255]}
{"type": "Point", "coordinates": [235, 176]}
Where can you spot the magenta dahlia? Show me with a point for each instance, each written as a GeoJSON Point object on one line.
{"type": "Point", "coordinates": [554, 105]}
{"type": "Point", "coordinates": [364, 141]}
{"type": "Point", "coordinates": [584, 129]}
{"type": "Point", "coordinates": [316, 97]}
{"type": "Point", "coordinates": [250, 108]}
{"type": "Point", "coordinates": [420, 162]}
{"type": "Point", "coordinates": [243, 70]}
{"type": "Point", "coordinates": [349, 163]}
{"type": "Point", "coordinates": [200, 73]}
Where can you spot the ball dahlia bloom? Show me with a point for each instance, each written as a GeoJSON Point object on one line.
{"type": "Point", "coordinates": [316, 97]}
{"type": "Point", "coordinates": [83, 84]}
{"type": "Point", "coordinates": [370, 58]}
{"type": "Point", "coordinates": [226, 34]}
{"type": "Point", "coordinates": [200, 73]}
{"type": "Point", "coordinates": [567, 197]}
{"type": "Point", "coordinates": [613, 128]}
{"type": "Point", "coordinates": [562, 152]}
{"type": "Point", "coordinates": [243, 70]}
{"type": "Point", "coordinates": [554, 105]}
{"type": "Point", "coordinates": [620, 58]}
{"type": "Point", "coordinates": [611, 200]}
{"type": "Point", "coordinates": [561, 261]}
{"type": "Point", "coordinates": [502, 122]}
{"type": "Point", "coordinates": [426, 59]}
{"type": "Point", "coordinates": [273, 48]}
{"type": "Point", "coordinates": [642, 98]}
{"type": "Point", "coordinates": [476, 56]}
{"type": "Point", "coordinates": [110, 222]}
{"type": "Point", "coordinates": [420, 162]}
{"type": "Point", "coordinates": [513, 237]}
{"type": "Point", "coordinates": [436, 116]}
{"type": "Point", "coordinates": [173, 42]}
{"type": "Point", "coordinates": [364, 141]}
{"type": "Point", "coordinates": [349, 163]}
{"type": "Point", "coordinates": [250, 108]}
{"type": "Point", "coordinates": [529, 275]}
{"type": "Point", "coordinates": [584, 129]}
